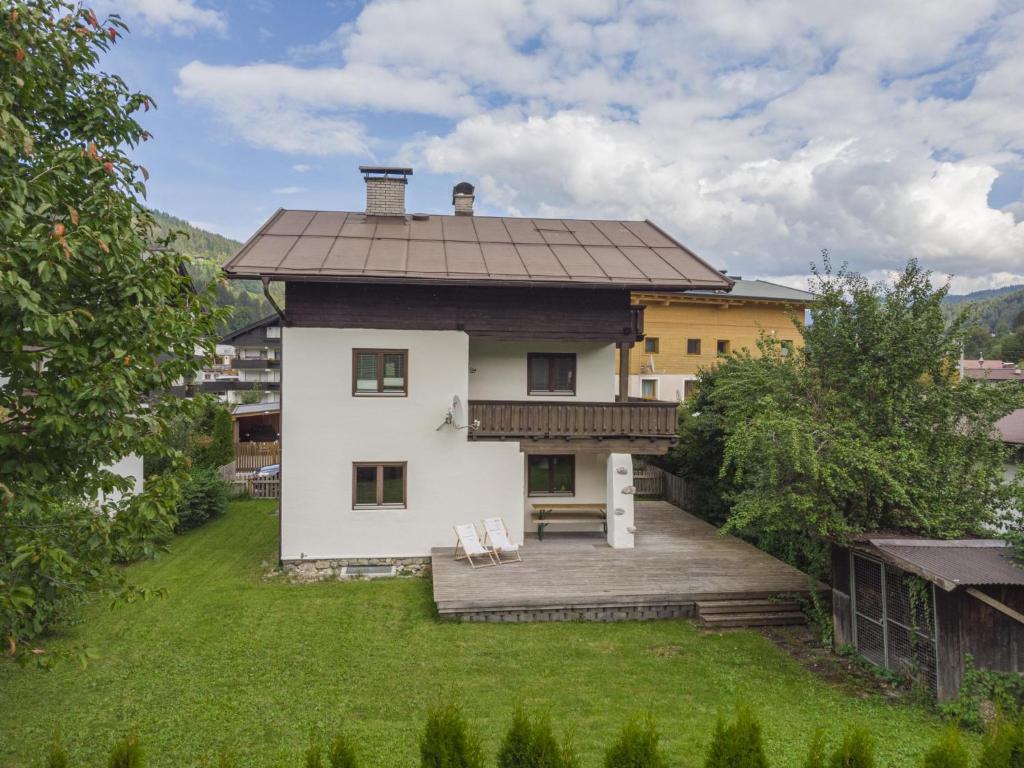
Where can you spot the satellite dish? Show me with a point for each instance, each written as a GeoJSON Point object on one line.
{"type": "Point", "coordinates": [456, 417]}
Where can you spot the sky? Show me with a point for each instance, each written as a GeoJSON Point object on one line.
{"type": "Point", "coordinates": [757, 133]}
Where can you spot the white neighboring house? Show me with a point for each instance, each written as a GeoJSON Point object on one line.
{"type": "Point", "coordinates": [437, 370]}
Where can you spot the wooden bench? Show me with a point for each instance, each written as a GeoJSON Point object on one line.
{"type": "Point", "coordinates": [544, 515]}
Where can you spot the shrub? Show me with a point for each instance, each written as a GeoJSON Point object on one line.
{"type": "Point", "coordinates": [1003, 746]}
{"type": "Point", "coordinates": [532, 744]}
{"type": "Point", "coordinates": [816, 751]}
{"type": "Point", "coordinates": [1002, 690]}
{"type": "Point", "coordinates": [949, 752]}
{"type": "Point", "coordinates": [203, 496]}
{"type": "Point", "coordinates": [214, 445]}
{"type": "Point", "coordinates": [856, 751]}
{"type": "Point", "coordinates": [342, 753]}
{"type": "Point", "coordinates": [56, 757]}
{"type": "Point", "coordinates": [127, 754]}
{"type": "Point", "coordinates": [447, 742]}
{"type": "Point", "coordinates": [737, 745]}
{"type": "Point", "coordinates": [636, 747]}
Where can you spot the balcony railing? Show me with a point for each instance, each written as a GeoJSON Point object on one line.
{"type": "Point", "coordinates": [513, 419]}
{"type": "Point", "coordinates": [256, 362]}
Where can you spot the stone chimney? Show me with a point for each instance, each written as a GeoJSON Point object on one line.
{"type": "Point", "coordinates": [385, 190]}
{"type": "Point", "coordinates": [462, 198]}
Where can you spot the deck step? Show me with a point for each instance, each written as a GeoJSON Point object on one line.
{"type": "Point", "coordinates": [723, 620]}
{"type": "Point", "coordinates": [714, 607]}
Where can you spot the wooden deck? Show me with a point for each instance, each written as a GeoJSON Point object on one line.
{"type": "Point", "coordinates": [678, 560]}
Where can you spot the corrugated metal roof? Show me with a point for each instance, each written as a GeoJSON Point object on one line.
{"type": "Point", "coordinates": [1011, 427]}
{"type": "Point", "coordinates": [342, 246]}
{"type": "Point", "coordinates": [955, 563]}
{"type": "Point", "coordinates": [760, 290]}
{"type": "Point", "coordinates": [248, 409]}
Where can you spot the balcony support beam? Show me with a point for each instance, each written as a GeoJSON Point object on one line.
{"type": "Point", "coordinates": [624, 348]}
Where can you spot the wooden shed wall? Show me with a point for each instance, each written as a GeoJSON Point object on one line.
{"type": "Point", "coordinates": [842, 606]}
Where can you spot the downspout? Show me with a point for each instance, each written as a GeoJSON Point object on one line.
{"type": "Point", "coordinates": [280, 418]}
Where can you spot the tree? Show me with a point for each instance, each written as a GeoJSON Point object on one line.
{"type": "Point", "coordinates": [95, 316]}
{"type": "Point", "coordinates": [866, 427]}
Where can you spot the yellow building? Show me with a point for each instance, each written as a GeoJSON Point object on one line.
{"type": "Point", "coordinates": [688, 331]}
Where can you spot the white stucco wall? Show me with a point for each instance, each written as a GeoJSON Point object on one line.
{"type": "Point", "coordinates": [325, 429]}
{"type": "Point", "coordinates": [670, 386]}
{"type": "Point", "coordinates": [131, 467]}
{"type": "Point", "coordinates": [591, 488]}
{"type": "Point", "coordinates": [498, 369]}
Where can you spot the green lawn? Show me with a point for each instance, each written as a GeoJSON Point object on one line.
{"type": "Point", "coordinates": [230, 660]}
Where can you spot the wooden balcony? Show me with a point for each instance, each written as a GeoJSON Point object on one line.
{"type": "Point", "coordinates": [643, 427]}
{"type": "Point", "coordinates": [256, 362]}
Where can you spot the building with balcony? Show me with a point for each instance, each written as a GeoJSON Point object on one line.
{"type": "Point", "coordinates": [689, 331]}
{"type": "Point", "coordinates": [445, 368]}
{"type": "Point", "coordinates": [255, 365]}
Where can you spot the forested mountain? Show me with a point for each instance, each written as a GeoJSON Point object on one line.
{"type": "Point", "coordinates": [210, 251]}
{"type": "Point", "coordinates": [997, 322]}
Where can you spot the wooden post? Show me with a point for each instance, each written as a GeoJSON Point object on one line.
{"type": "Point", "coordinates": [624, 348]}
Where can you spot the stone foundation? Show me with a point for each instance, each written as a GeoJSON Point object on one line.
{"type": "Point", "coordinates": [305, 571]}
{"type": "Point", "coordinates": [588, 613]}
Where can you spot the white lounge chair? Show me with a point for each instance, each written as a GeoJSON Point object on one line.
{"type": "Point", "coordinates": [496, 535]}
{"type": "Point", "coordinates": [468, 540]}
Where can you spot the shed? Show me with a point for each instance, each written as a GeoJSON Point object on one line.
{"type": "Point", "coordinates": [920, 607]}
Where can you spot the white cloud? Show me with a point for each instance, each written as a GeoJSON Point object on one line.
{"type": "Point", "coordinates": [302, 168]}
{"type": "Point", "coordinates": [180, 17]}
{"type": "Point", "coordinates": [758, 132]}
{"type": "Point", "coordinates": [289, 190]}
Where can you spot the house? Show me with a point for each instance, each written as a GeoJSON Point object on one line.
{"type": "Point", "coordinates": [689, 331]}
{"type": "Point", "coordinates": [991, 370]}
{"type": "Point", "coordinates": [920, 607]}
{"type": "Point", "coordinates": [257, 360]}
{"type": "Point", "coordinates": [438, 369]}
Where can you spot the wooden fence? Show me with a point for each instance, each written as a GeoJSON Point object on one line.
{"type": "Point", "coordinates": [655, 481]}
{"type": "Point", "coordinates": [265, 487]}
{"type": "Point", "coordinates": [251, 456]}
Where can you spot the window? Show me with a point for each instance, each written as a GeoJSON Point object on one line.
{"type": "Point", "coordinates": [551, 374]}
{"type": "Point", "coordinates": [649, 389]}
{"type": "Point", "coordinates": [693, 346]}
{"type": "Point", "coordinates": [378, 485]}
{"type": "Point", "coordinates": [787, 347]}
{"type": "Point", "coordinates": [688, 386]}
{"type": "Point", "coordinates": [273, 331]}
{"type": "Point", "coordinates": [379, 371]}
{"type": "Point", "coordinates": [723, 346]}
{"type": "Point", "coordinates": [551, 475]}
{"type": "Point", "coordinates": [651, 345]}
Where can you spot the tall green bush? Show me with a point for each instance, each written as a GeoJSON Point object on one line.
{"type": "Point", "coordinates": [447, 742]}
{"type": "Point", "coordinates": [213, 445]}
{"type": "Point", "coordinates": [532, 744]}
{"type": "Point", "coordinates": [342, 752]}
{"type": "Point", "coordinates": [948, 752]}
{"type": "Point", "coordinates": [1003, 746]}
{"type": "Point", "coordinates": [816, 751]}
{"type": "Point", "coordinates": [737, 745]}
{"type": "Point", "coordinates": [204, 496]}
{"type": "Point", "coordinates": [856, 751]}
{"type": "Point", "coordinates": [56, 757]}
{"type": "Point", "coordinates": [636, 747]}
{"type": "Point", "coordinates": [127, 753]}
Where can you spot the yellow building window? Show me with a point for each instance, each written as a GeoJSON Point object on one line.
{"type": "Point", "coordinates": [723, 347]}
{"type": "Point", "coordinates": [693, 346]}
{"type": "Point", "coordinates": [651, 345]}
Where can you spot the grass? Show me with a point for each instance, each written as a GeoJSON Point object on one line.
{"type": "Point", "coordinates": [231, 661]}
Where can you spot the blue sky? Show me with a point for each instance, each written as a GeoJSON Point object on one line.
{"type": "Point", "coordinates": [756, 132]}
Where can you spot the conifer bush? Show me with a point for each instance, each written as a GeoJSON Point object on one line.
{"type": "Point", "coordinates": [342, 753]}
{"type": "Point", "coordinates": [856, 751]}
{"type": "Point", "coordinates": [816, 751]}
{"type": "Point", "coordinates": [636, 747]}
{"type": "Point", "coordinates": [56, 757]}
{"type": "Point", "coordinates": [447, 741]}
{"type": "Point", "coordinates": [1003, 746]}
{"type": "Point", "coordinates": [532, 744]}
{"type": "Point", "coordinates": [948, 752]}
{"type": "Point", "coordinates": [127, 753]}
{"type": "Point", "coordinates": [737, 745]}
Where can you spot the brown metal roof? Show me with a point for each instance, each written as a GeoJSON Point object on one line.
{"type": "Point", "coordinates": [354, 247]}
{"type": "Point", "coordinates": [954, 563]}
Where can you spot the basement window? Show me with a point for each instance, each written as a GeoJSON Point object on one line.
{"type": "Point", "coordinates": [379, 486]}
{"type": "Point", "coordinates": [551, 475]}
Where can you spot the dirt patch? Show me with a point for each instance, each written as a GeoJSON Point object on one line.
{"type": "Point", "coordinates": [846, 673]}
{"type": "Point", "coordinates": [668, 651]}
